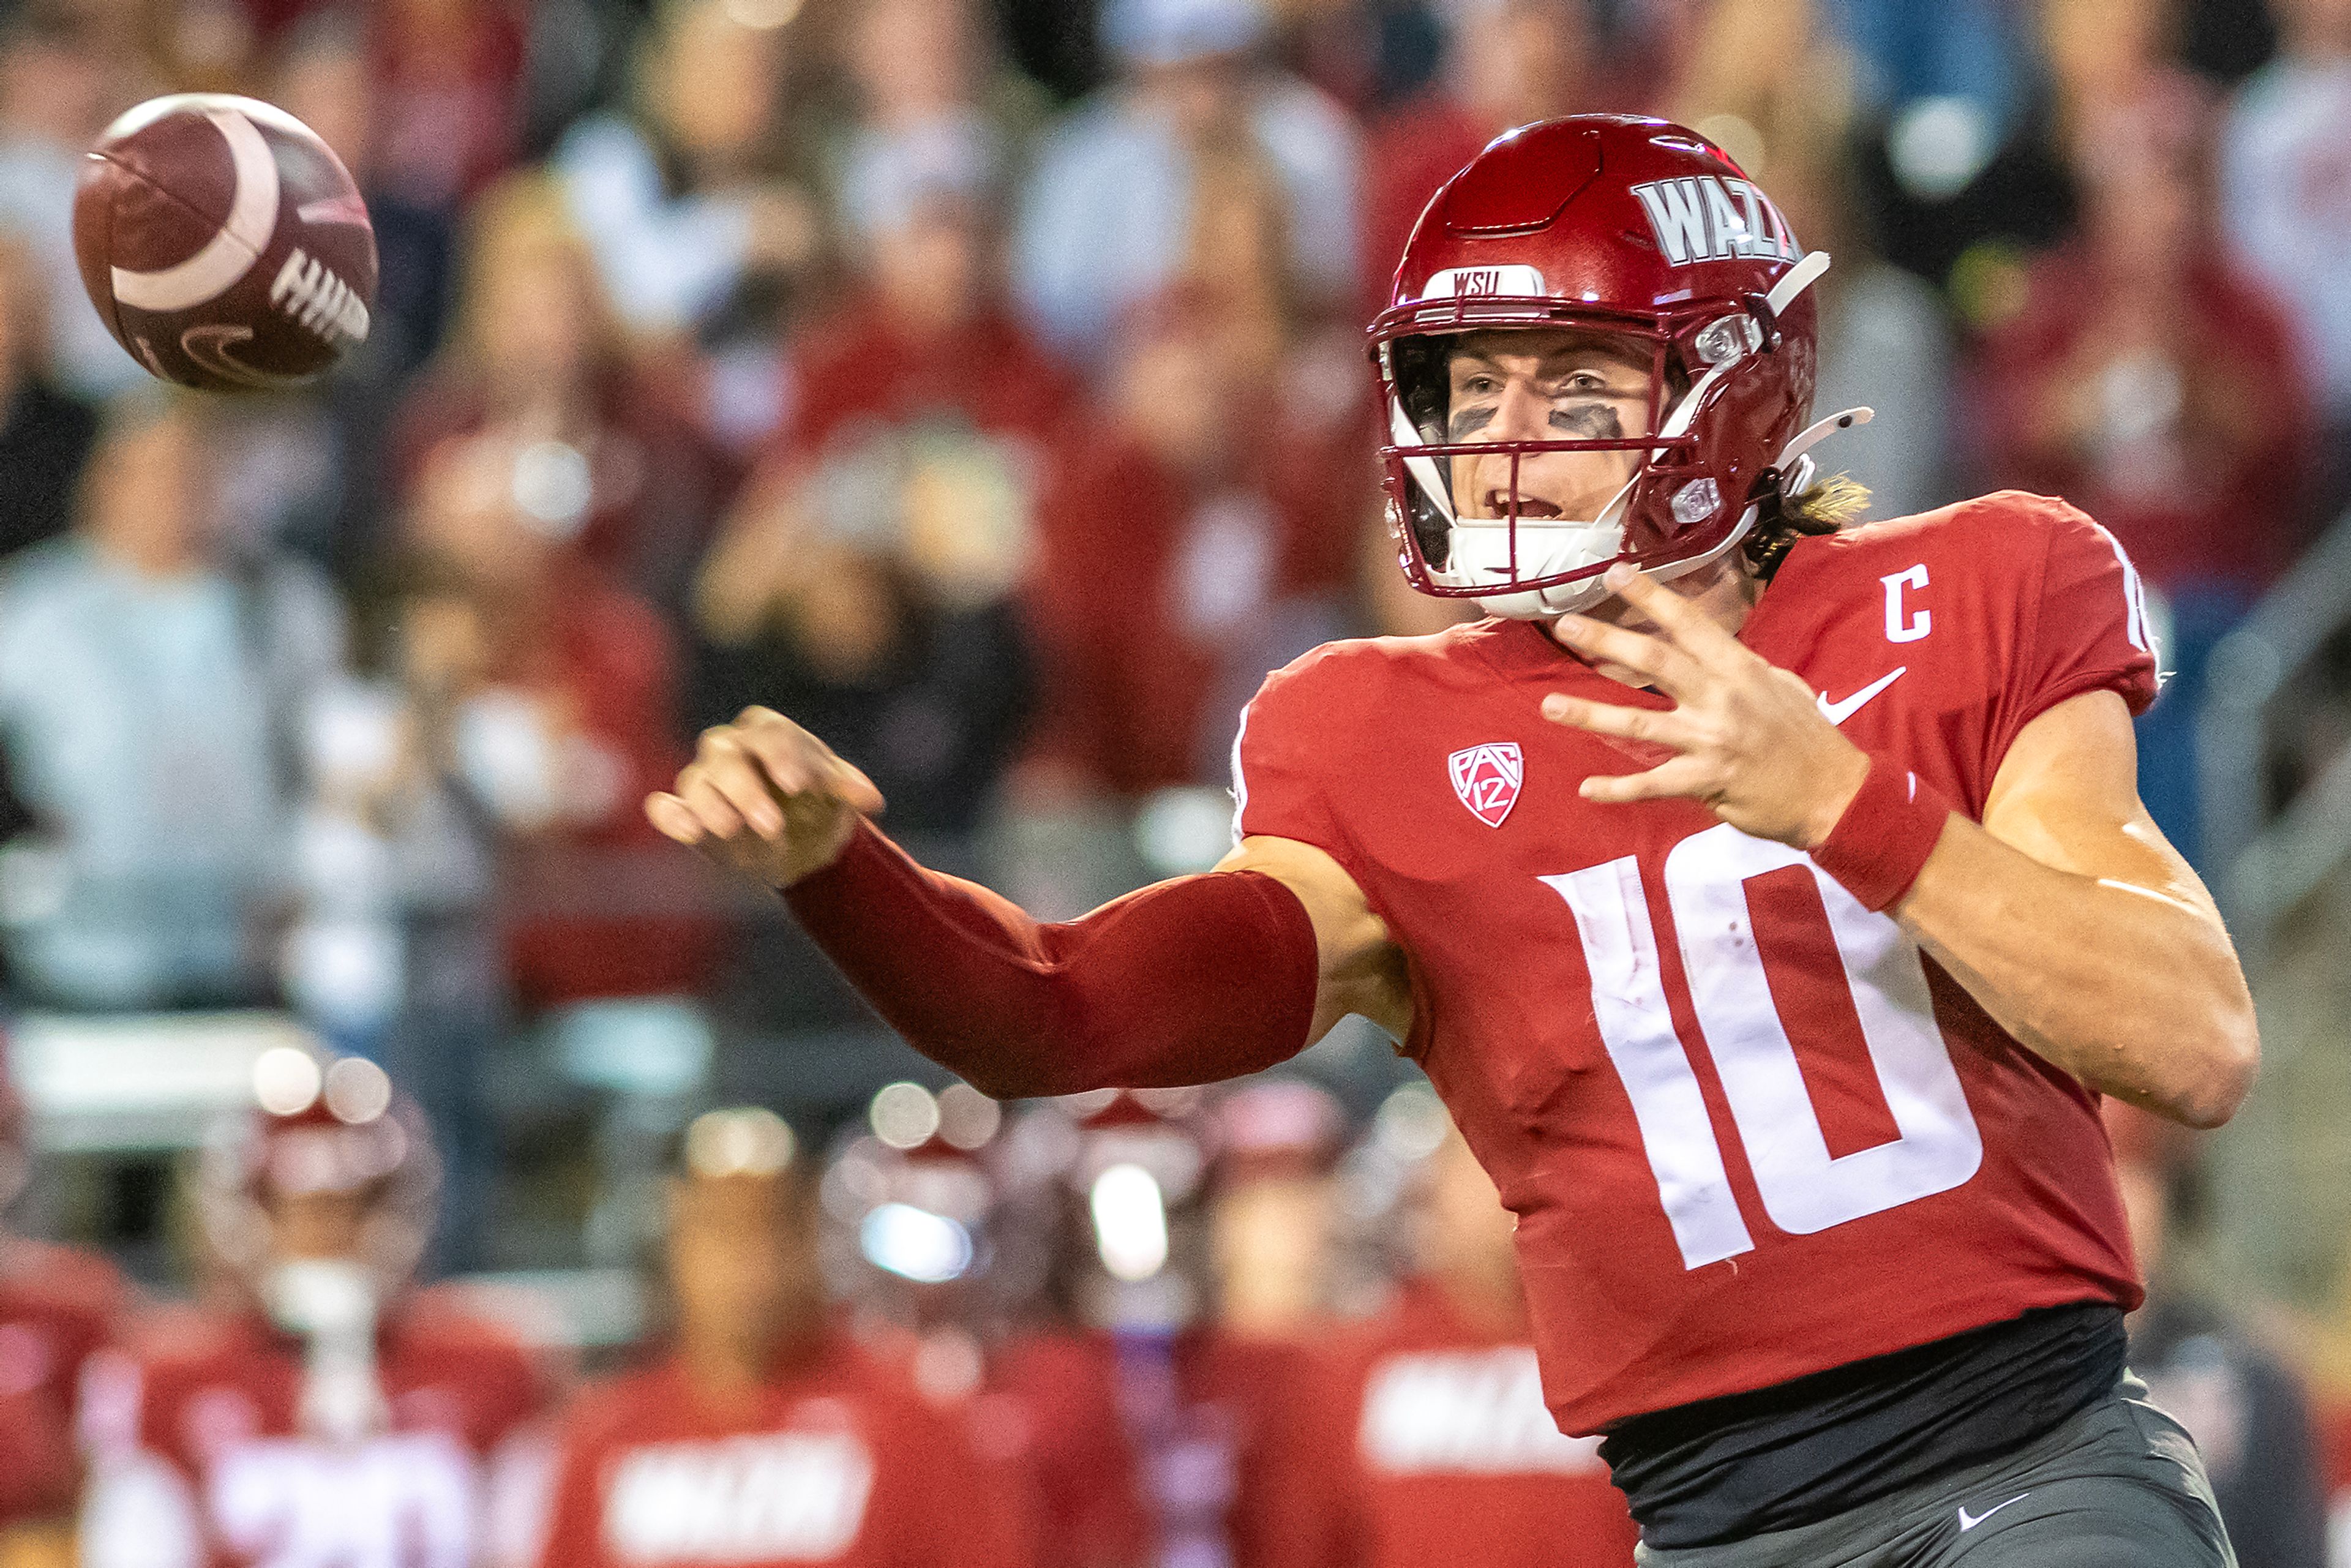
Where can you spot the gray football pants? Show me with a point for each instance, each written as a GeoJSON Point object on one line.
{"type": "Point", "coordinates": [2119, 1485]}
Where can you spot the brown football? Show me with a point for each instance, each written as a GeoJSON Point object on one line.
{"type": "Point", "coordinates": [225, 245]}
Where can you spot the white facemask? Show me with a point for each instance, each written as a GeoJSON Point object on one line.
{"type": "Point", "coordinates": [332, 1305]}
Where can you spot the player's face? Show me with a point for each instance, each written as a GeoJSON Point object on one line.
{"type": "Point", "coordinates": [1270, 1240]}
{"type": "Point", "coordinates": [318, 1226]}
{"type": "Point", "coordinates": [742, 1263]}
{"type": "Point", "coordinates": [1545, 384]}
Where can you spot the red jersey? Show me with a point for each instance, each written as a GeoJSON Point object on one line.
{"type": "Point", "coordinates": [1053, 1400]}
{"type": "Point", "coordinates": [57, 1306]}
{"type": "Point", "coordinates": [1423, 1439]}
{"type": "Point", "coordinates": [2334, 1446]}
{"type": "Point", "coordinates": [840, 1461]}
{"type": "Point", "coordinates": [1748, 1130]}
{"type": "Point", "coordinates": [201, 1462]}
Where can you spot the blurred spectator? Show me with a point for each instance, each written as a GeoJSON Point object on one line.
{"type": "Point", "coordinates": [1192, 540]}
{"type": "Point", "coordinates": [864, 583]}
{"type": "Point", "coordinates": [1964, 53]}
{"type": "Point", "coordinates": [1507, 63]}
{"type": "Point", "coordinates": [925, 330]}
{"type": "Point", "coordinates": [322, 1409]}
{"type": "Point", "coordinates": [2246, 1409]}
{"type": "Point", "coordinates": [57, 1304]}
{"type": "Point", "coordinates": [928, 67]}
{"type": "Point", "coordinates": [765, 1435]}
{"type": "Point", "coordinates": [1422, 1434]}
{"type": "Point", "coordinates": [535, 359]}
{"type": "Point", "coordinates": [447, 95]}
{"type": "Point", "coordinates": [1114, 205]}
{"type": "Point", "coordinates": [1768, 82]}
{"type": "Point", "coordinates": [1202, 1396]}
{"type": "Point", "coordinates": [324, 77]}
{"type": "Point", "coordinates": [566, 684]}
{"type": "Point", "coordinates": [150, 687]}
{"type": "Point", "coordinates": [2286, 196]}
{"type": "Point", "coordinates": [691, 199]}
{"type": "Point", "coordinates": [44, 435]}
{"type": "Point", "coordinates": [1270, 1224]}
{"type": "Point", "coordinates": [903, 650]}
{"type": "Point", "coordinates": [396, 954]}
{"type": "Point", "coordinates": [949, 1260]}
{"type": "Point", "coordinates": [2150, 382]}
{"type": "Point", "coordinates": [57, 93]}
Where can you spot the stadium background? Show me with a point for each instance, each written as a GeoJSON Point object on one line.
{"type": "Point", "coordinates": [982, 386]}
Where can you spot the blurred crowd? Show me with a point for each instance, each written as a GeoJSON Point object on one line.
{"type": "Point", "coordinates": [1230, 1328]}
{"type": "Point", "coordinates": [982, 385]}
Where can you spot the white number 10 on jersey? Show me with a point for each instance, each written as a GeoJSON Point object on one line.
{"type": "Point", "coordinates": [1803, 1188]}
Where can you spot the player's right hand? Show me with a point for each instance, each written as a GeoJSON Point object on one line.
{"type": "Point", "coordinates": [765, 798]}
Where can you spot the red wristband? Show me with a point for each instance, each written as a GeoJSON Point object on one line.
{"type": "Point", "coordinates": [1878, 846]}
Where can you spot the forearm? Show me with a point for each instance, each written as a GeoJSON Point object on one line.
{"type": "Point", "coordinates": [2135, 992]}
{"type": "Point", "coordinates": [1188, 982]}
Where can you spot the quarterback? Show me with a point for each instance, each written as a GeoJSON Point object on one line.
{"type": "Point", "coordinates": [1767, 896]}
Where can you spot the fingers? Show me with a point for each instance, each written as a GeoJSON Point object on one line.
{"type": "Point", "coordinates": [1670, 669]}
{"type": "Point", "coordinates": [853, 787]}
{"type": "Point", "coordinates": [673, 818]}
{"type": "Point", "coordinates": [727, 771]}
{"type": "Point", "coordinates": [1682, 623]}
{"type": "Point", "coordinates": [797, 761]}
{"type": "Point", "coordinates": [1682, 776]}
{"type": "Point", "coordinates": [1665, 728]}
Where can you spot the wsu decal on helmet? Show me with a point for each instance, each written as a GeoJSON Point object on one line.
{"type": "Point", "coordinates": [1701, 218]}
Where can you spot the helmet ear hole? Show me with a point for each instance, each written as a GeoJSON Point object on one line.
{"type": "Point", "coordinates": [1423, 384]}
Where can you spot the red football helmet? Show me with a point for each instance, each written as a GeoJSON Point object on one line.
{"type": "Point", "coordinates": [314, 1126]}
{"type": "Point", "coordinates": [1643, 231]}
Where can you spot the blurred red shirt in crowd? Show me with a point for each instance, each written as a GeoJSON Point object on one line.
{"type": "Point", "coordinates": [869, 364]}
{"type": "Point", "coordinates": [536, 358]}
{"type": "Point", "coordinates": [1507, 63]}
{"type": "Point", "coordinates": [834, 1459]}
{"type": "Point", "coordinates": [572, 678]}
{"type": "Point", "coordinates": [57, 1306]}
{"type": "Point", "coordinates": [1057, 1395]}
{"type": "Point", "coordinates": [449, 76]}
{"type": "Point", "coordinates": [1422, 1434]}
{"type": "Point", "coordinates": [1201, 1409]}
{"type": "Point", "coordinates": [766, 1435]}
{"type": "Point", "coordinates": [197, 1421]}
{"type": "Point", "coordinates": [1423, 1437]}
{"type": "Point", "coordinates": [2145, 377]}
{"type": "Point", "coordinates": [2334, 1433]}
{"type": "Point", "coordinates": [1197, 535]}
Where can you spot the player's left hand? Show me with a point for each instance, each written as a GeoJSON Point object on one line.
{"type": "Point", "coordinates": [1749, 738]}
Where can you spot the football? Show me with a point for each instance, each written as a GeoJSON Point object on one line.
{"type": "Point", "coordinates": [225, 245]}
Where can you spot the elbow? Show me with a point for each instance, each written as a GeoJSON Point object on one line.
{"type": "Point", "coordinates": [2226, 1077]}
{"type": "Point", "coordinates": [2223, 1068]}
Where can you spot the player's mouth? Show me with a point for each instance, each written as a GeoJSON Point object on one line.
{"type": "Point", "coordinates": [1499, 503]}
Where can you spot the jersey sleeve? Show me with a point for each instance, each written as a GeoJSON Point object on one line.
{"type": "Point", "coordinates": [1281, 755]}
{"type": "Point", "coordinates": [2084, 623]}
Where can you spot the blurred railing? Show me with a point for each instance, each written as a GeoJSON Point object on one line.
{"type": "Point", "coordinates": [2265, 863]}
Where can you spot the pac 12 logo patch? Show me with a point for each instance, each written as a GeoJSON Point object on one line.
{"type": "Point", "coordinates": [1488, 778]}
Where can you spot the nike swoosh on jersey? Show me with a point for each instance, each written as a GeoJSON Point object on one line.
{"type": "Point", "coordinates": [1970, 1521]}
{"type": "Point", "coordinates": [1837, 713]}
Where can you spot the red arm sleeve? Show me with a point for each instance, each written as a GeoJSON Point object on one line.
{"type": "Point", "coordinates": [1189, 981]}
